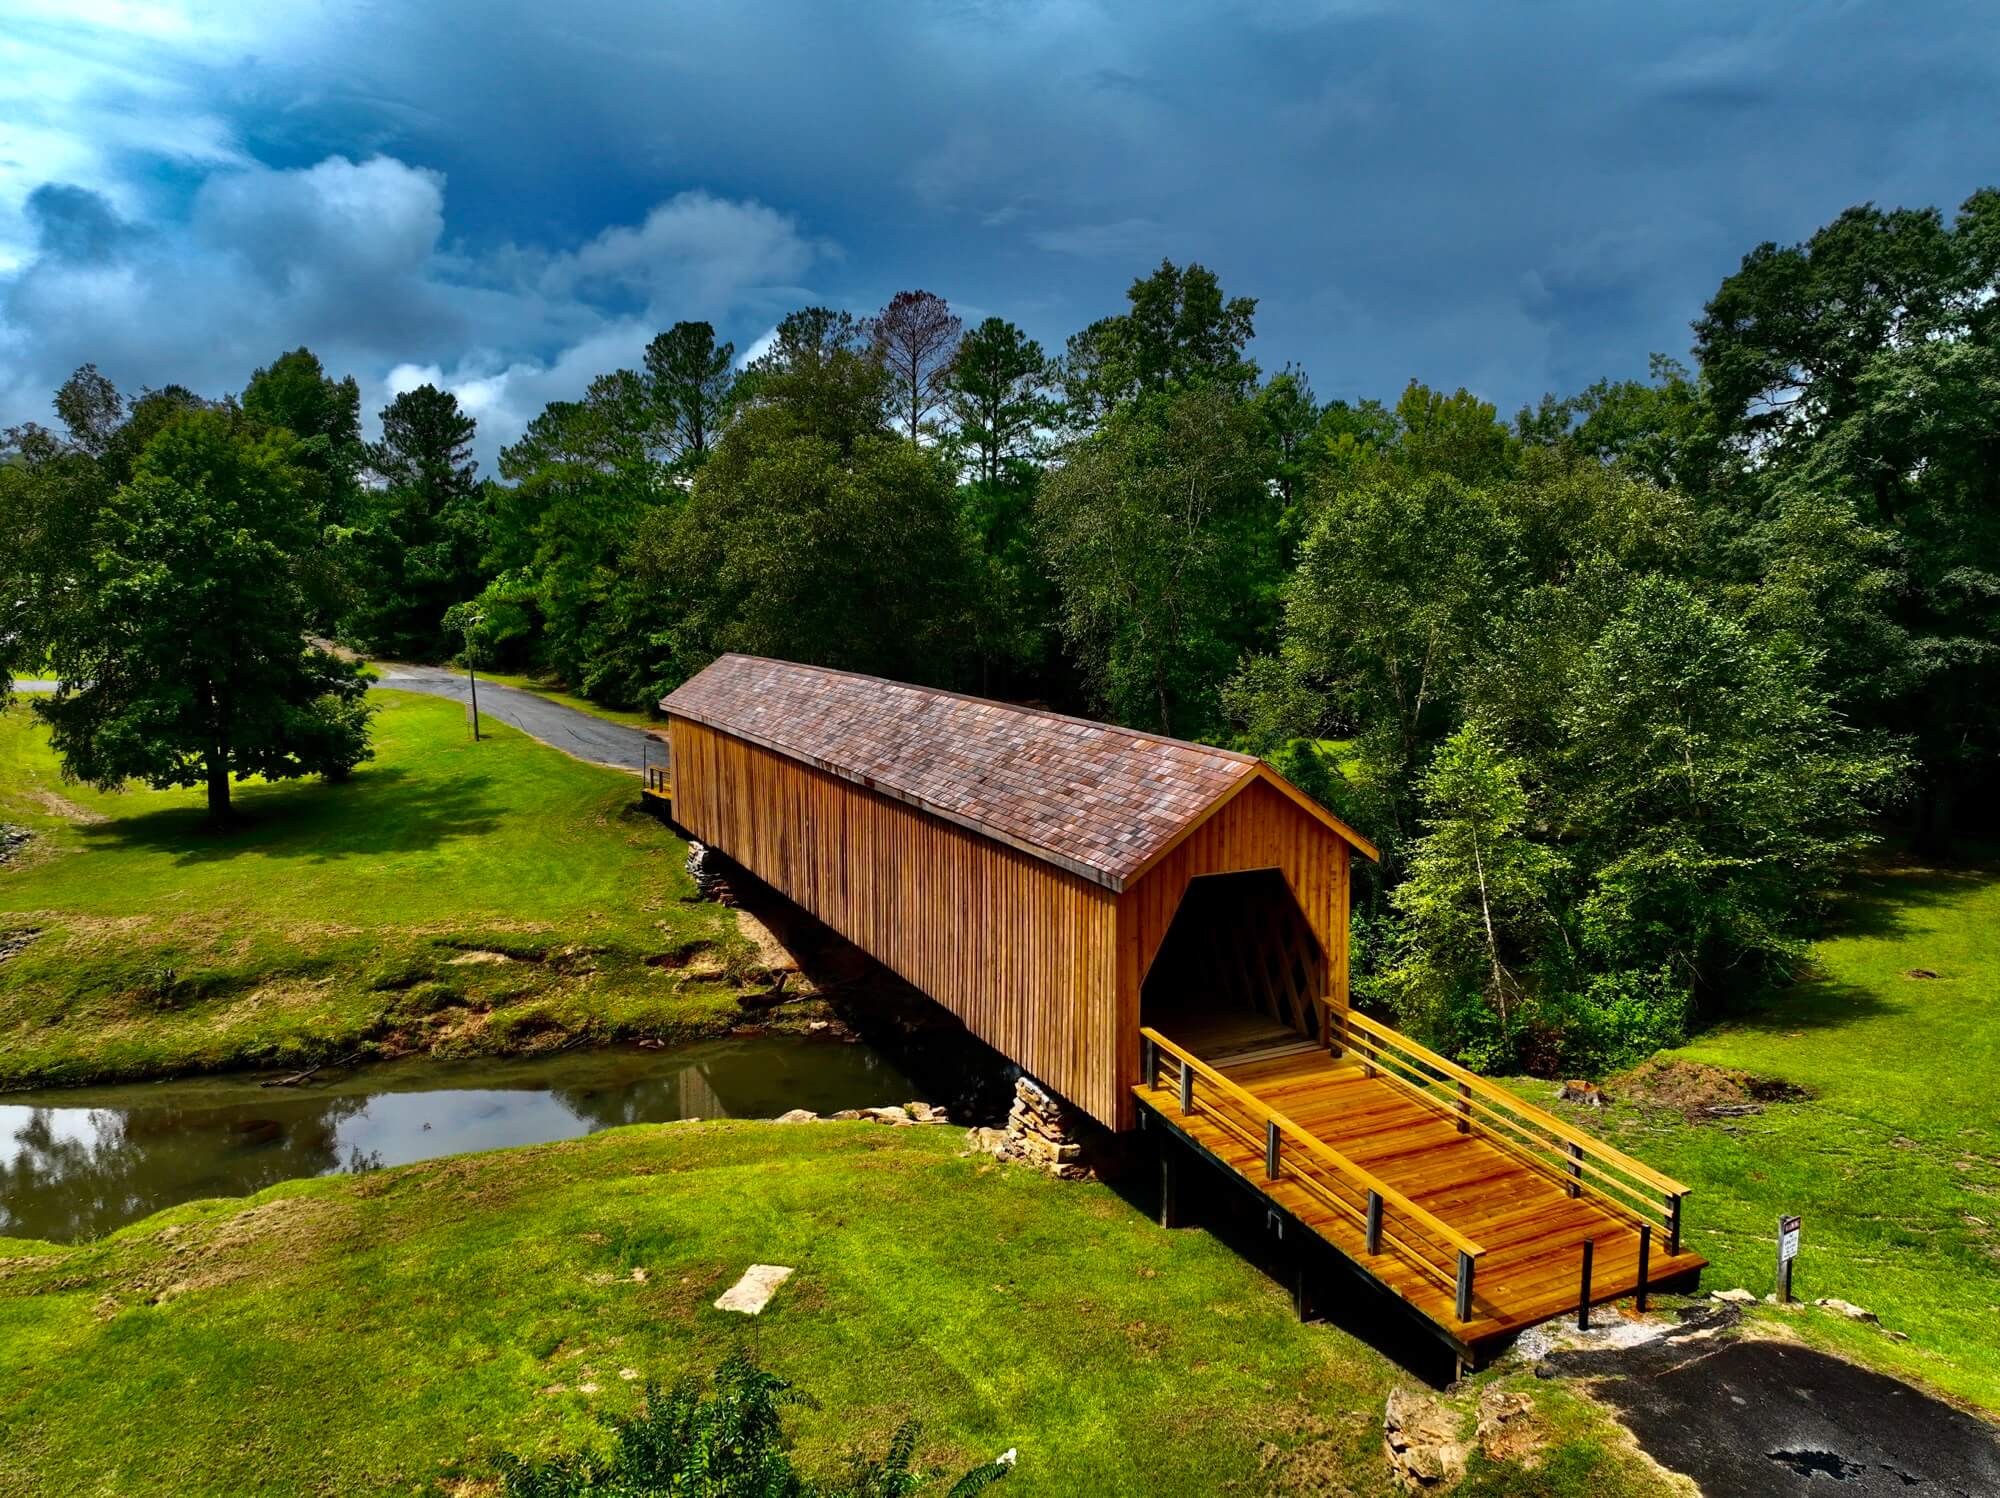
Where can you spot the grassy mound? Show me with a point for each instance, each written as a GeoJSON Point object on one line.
{"type": "Point", "coordinates": [400, 1331]}
{"type": "Point", "coordinates": [453, 897]}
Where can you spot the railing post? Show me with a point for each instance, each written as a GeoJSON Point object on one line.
{"type": "Point", "coordinates": [1374, 1222]}
{"type": "Point", "coordinates": [1149, 1062]}
{"type": "Point", "coordinates": [1645, 1256]}
{"type": "Point", "coordinates": [1464, 1285]}
{"type": "Point", "coordinates": [1583, 1290]}
{"type": "Point", "coordinates": [1673, 1225]}
{"type": "Point", "coordinates": [1271, 1149]}
{"type": "Point", "coordinates": [1187, 1089]}
{"type": "Point", "coordinates": [1575, 1169]}
{"type": "Point", "coordinates": [1464, 1108]}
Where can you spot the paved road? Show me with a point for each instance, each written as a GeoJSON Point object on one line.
{"type": "Point", "coordinates": [565, 728]}
{"type": "Point", "coordinates": [569, 730]}
{"type": "Point", "coordinates": [1757, 1418]}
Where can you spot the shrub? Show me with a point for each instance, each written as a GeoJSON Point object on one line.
{"type": "Point", "coordinates": [724, 1441]}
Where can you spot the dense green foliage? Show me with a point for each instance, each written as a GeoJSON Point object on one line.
{"type": "Point", "coordinates": [180, 639]}
{"type": "Point", "coordinates": [1656, 656]}
{"type": "Point", "coordinates": [725, 1441]}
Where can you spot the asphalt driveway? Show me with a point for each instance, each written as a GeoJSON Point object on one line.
{"type": "Point", "coordinates": [564, 728]}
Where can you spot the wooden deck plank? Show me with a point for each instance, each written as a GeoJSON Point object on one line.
{"type": "Point", "coordinates": [1531, 1230]}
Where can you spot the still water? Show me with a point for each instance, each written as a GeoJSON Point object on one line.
{"type": "Point", "coordinates": [79, 1162]}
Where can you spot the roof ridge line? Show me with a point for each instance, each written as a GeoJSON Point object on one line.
{"type": "Point", "coordinates": [1013, 707]}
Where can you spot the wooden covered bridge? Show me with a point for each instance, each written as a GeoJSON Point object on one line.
{"type": "Point", "coordinates": [1157, 930]}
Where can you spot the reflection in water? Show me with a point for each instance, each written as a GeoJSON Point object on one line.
{"type": "Point", "coordinates": [78, 1163]}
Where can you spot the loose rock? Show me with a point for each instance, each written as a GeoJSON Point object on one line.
{"type": "Point", "coordinates": [1846, 1308]}
{"type": "Point", "coordinates": [1420, 1438]}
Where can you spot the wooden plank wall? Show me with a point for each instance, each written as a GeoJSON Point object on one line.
{"type": "Point", "coordinates": [1258, 829]}
{"type": "Point", "coordinates": [1022, 951]}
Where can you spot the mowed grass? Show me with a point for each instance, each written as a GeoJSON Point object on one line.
{"type": "Point", "coordinates": [1894, 1165]}
{"type": "Point", "coordinates": [396, 1331]}
{"type": "Point", "coordinates": [452, 897]}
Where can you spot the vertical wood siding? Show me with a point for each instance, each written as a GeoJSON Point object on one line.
{"type": "Point", "coordinates": [1258, 829]}
{"type": "Point", "coordinates": [1022, 951]}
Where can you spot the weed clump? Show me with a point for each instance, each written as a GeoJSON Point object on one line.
{"type": "Point", "coordinates": [725, 1442]}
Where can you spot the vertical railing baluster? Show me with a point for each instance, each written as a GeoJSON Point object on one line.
{"type": "Point", "coordinates": [1374, 1222]}
{"type": "Point", "coordinates": [1583, 1290]}
{"type": "Point", "coordinates": [1464, 1285]}
{"type": "Point", "coordinates": [1464, 1108]}
{"type": "Point", "coordinates": [1149, 1063]}
{"type": "Point", "coordinates": [1187, 1086]}
{"type": "Point", "coordinates": [1673, 1225]}
{"type": "Point", "coordinates": [1575, 1168]}
{"type": "Point", "coordinates": [1645, 1256]}
{"type": "Point", "coordinates": [1271, 1149]}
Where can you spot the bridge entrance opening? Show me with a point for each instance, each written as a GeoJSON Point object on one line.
{"type": "Point", "coordinates": [1239, 971]}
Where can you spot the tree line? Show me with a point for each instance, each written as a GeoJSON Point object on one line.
{"type": "Point", "coordinates": [1617, 685]}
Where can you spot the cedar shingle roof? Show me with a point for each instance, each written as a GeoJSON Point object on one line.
{"type": "Point", "coordinates": [1091, 797]}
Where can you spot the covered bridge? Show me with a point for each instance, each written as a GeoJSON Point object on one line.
{"type": "Point", "coordinates": [1024, 869]}
{"type": "Point", "coordinates": [1158, 931]}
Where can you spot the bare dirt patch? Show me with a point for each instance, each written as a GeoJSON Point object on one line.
{"type": "Point", "coordinates": [1698, 1091]}
{"type": "Point", "coordinates": [69, 811]}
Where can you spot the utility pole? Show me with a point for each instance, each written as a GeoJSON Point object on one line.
{"type": "Point", "coordinates": [472, 622]}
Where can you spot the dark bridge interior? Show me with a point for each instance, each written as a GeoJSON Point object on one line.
{"type": "Point", "coordinates": [1239, 971]}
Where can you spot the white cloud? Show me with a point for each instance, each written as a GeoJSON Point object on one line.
{"type": "Point", "coordinates": [349, 258]}
{"type": "Point", "coordinates": [694, 248]}
{"type": "Point", "coordinates": [761, 346]}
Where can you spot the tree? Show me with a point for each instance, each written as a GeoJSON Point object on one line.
{"type": "Point", "coordinates": [585, 476]}
{"type": "Point", "coordinates": [1861, 370]}
{"type": "Point", "coordinates": [1181, 332]}
{"type": "Point", "coordinates": [1290, 417]}
{"type": "Point", "coordinates": [91, 410]}
{"type": "Point", "coordinates": [916, 337]}
{"type": "Point", "coordinates": [824, 373]}
{"type": "Point", "coordinates": [295, 392]}
{"type": "Point", "coordinates": [998, 393]}
{"type": "Point", "coordinates": [425, 527]}
{"type": "Point", "coordinates": [1151, 529]}
{"type": "Point", "coordinates": [815, 533]}
{"type": "Point", "coordinates": [1477, 903]}
{"type": "Point", "coordinates": [1454, 434]}
{"type": "Point", "coordinates": [692, 381]}
{"type": "Point", "coordinates": [188, 662]}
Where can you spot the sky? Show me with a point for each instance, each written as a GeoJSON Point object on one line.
{"type": "Point", "coordinates": [509, 197]}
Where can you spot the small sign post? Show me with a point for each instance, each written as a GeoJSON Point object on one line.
{"type": "Point", "coordinates": [1788, 1250]}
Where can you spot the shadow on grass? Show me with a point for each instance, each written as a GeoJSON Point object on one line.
{"type": "Point", "coordinates": [1879, 904]}
{"type": "Point", "coordinates": [379, 811]}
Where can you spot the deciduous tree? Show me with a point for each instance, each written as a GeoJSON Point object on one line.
{"type": "Point", "coordinates": [188, 664]}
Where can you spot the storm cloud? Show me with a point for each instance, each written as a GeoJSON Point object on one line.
{"type": "Point", "coordinates": [513, 197]}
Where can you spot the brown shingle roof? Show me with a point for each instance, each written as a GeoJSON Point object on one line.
{"type": "Point", "coordinates": [1092, 797]}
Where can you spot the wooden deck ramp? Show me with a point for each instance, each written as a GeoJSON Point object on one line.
{"type": "Point", "coordinates": [1470, 1205]}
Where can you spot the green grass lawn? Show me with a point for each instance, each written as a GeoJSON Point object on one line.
{"type": "Point", "coordinates": [1895, 1164]}
{"type": "Point", "coordinates": [554, 693]}
{"type": "Point", "coordinates": [396, 1331]}
{"type": "Point", "coordinates": [453, 897]}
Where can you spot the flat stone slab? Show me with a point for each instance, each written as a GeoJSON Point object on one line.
{"type": "Point", "coordinates": [754, 1291]}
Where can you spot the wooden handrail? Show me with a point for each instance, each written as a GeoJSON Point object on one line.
{"type": "Point", "coordinates": [1516, 1136]}
{"type": "Point", "coordinates": [1540, 1117]}
{"type": "Point", "coordinates": [1449, 1235]}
